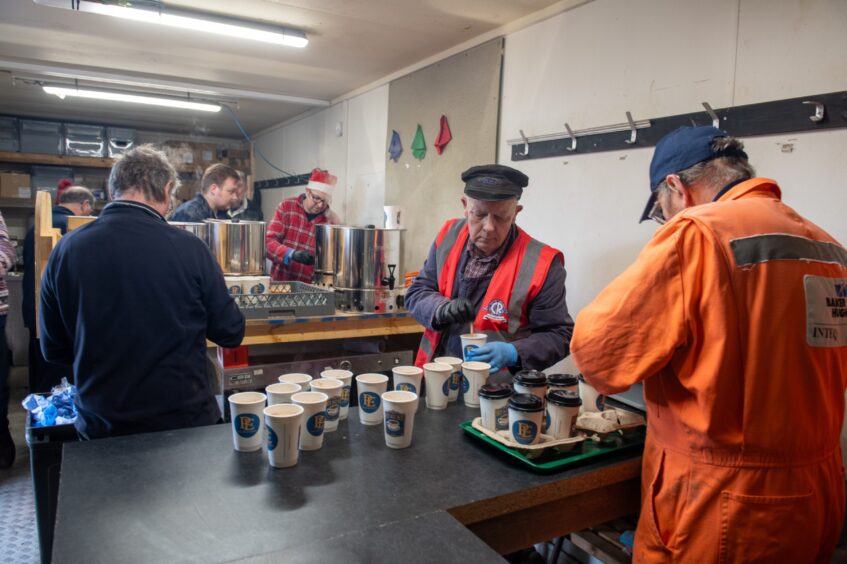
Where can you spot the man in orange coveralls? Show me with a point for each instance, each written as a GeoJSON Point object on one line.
{"type": "Point", "coordinates": [734, 317]}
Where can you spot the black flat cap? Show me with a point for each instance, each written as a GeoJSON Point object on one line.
{"type": "Point", "coordinates": [494, 182]}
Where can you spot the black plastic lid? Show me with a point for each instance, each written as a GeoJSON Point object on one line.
{"type": "Point", "coordinates": [531, 378]}
{"type": "Point", "coordinates": [495, 391]}
{"type": "Point", "coordinates": [563, 398]}
{"type": "Point", "coordinates": [562, 380]}
{"type": "Point", "coordinates": [526, 402]}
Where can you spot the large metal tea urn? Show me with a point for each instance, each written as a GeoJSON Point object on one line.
{"type": "Point", "coordinates": [238, 246]}
{"type": "Point", "coordinates": [362, 264]}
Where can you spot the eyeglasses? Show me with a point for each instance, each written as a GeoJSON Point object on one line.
{"type": "Point", "coordinates": [656, 212]}
{"type": "Point", "coordinates": [317, 200]}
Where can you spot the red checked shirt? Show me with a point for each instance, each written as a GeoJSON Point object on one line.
{"type": "Point", "coordinates": [291, 229]}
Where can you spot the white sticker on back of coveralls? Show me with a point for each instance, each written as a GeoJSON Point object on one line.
{"type": "Point", "coordinates": [826, 311]}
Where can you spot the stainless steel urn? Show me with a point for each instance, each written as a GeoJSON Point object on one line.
{"type": "Point", "coordinates": [238, 246]}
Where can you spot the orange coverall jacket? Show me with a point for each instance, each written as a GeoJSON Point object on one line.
{"type": "Point", "coordinates": [734, 317]}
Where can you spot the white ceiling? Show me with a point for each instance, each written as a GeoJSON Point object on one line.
{"type": "Point", "coordinates": [351, 44]}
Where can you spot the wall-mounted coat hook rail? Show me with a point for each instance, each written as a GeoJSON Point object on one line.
{"type": "Point", "coordinates": [282, 182]}
{"type": "Point", "coordinates": [565, 136]}
{"type": "Point", "coordinates": [751, 120]}
{"type": "Point", "coordinates": [716, 121]}
{"type": "Point", "coordinates": [819, 110]}
{"type": "Point", "coordinates": [525, 152]}
{"type": "Point", "coordinates": [633, 135]}
{"type": "Point", "coordinates": [572, 136]}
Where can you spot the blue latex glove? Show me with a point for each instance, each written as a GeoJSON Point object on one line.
{"type": "Point", "coordinates": [498, 354]}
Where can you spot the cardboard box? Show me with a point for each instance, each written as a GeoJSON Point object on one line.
{"type": "Point", "coordinates": [15, 185]}
{"type": "Point", "coordinates": [179, 152]}
{"type": "Point", "coordinates": [205, 153]}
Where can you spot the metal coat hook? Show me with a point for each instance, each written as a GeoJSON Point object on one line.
{"type": "Point", "coordinates": [573, 138]}
{"type": "Point", "coordinates": [525, 144]}
{"type": "Point", "coordinates": [716, 121]}
{"type": "Point", "coordinates": [633, 133]}
{"type": "Point", "coordinates": [819, 110]}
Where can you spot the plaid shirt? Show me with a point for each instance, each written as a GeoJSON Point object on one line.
{"type": "Point", "coordinates": [479, 266]}
{"type": "Point", "coordinates": [8, 257]}
{"type": "Point", "coordinates": [291, 230]}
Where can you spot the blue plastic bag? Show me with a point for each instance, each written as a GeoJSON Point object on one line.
{"type": "Point", "coordinates": [56, 409]}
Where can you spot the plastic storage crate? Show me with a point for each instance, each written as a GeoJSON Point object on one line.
{"type": "Point", "coordinates": [45, 461]}
{"type": "Point", "coordinates": [9, 134]}
{"type": "Point", "coordinates": [85, 140]}
{"type": "Point", "coordinates": [120, 140]}
{"type": "Point", "coordinates": [287, 300]}
{"type": "Point", "coordinates": [41, 137]}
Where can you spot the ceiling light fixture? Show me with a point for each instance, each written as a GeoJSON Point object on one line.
{"type": "Point", "coordinates": [63, 91]}
{"type": "Point", "coordinates": [154, 11]}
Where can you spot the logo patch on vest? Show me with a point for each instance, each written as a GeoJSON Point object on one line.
{"type": "Point", "coordinates": [496, 311]}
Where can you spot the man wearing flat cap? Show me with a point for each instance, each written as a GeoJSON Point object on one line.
{"type": "Point", "coordinates": [486, 270]}
{"type": "Point", "coordinates": [734, 318]}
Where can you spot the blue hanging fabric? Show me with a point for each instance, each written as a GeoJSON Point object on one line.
{"type": "Point", "coordinates": [395, 148]}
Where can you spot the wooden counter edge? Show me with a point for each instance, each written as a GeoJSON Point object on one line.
{"type": "Point", "coordinates": [514, 521]}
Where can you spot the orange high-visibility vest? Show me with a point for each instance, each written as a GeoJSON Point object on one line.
{"type": "Point", "coordinates": [518, 279]}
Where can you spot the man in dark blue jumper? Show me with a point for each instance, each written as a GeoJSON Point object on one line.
{"type": "Point", "coordinates": [129, 301]}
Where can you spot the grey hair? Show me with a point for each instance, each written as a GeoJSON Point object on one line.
{"type": "Point", "coordinates": [144, 170]}
{"type": "Point", "coordinates": [720, 171]}
{"type": "Point", "coordinates": [77, 195]}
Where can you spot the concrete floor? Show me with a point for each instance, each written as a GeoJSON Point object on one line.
{"type": "Point", "coordinates": [18, 534]}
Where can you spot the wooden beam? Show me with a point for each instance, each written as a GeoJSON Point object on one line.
{"type": "Point", "coordinates": [262, 332]}
{"type": "Point", "coordinates": [57, 160]}
{"type": "Point", "coordinates": [46, 238]}
{"type": "Point", "coordinates": [76, 221]}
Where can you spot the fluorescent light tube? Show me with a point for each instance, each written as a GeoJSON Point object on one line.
{"type": "Point", "coordinates": [198, 21]}
{"type": "Point", "coordinates": [62, 92]}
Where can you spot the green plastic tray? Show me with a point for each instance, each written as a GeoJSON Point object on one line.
{"type": "Point", "coordinates": [586, 451]}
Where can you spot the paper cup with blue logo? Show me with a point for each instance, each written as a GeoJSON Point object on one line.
{"type": "Point", "coordinates": [474, 376]}
{"type": "Point", "coordinates": [370, 388]}
{"type": "Point", "coordinates": [346, 378]}
{"type": "Point", "coordinates": [526, 415]}
{"type": "Point", "coordinates": [494, 406]}
{"type": "Point", "coordinates": [472, 341]}
{"type": "Point", "coordinates": [455, 378]}
{"type": "Point", "coordinates": [314, 418]}
{"type": "Point", "coordinates": [245, 409]}
{"type": "Point", "coordinates": [438, 378]}
{"type": "Point", "coordinates": [592, 400]}
{"type": "Point", "coordinates": [407, 379]}
{"type": "Point", "coordinates": [563, 408]}
{"type": "Point", "coordinates": [302, 380]}
{"type": "Point", "coordinates": [333, 389]}
{"type": "Point", "coordinates": [399, 415]}
{"type": "Point", "coordinates": [282, 424]}
{"type": "Point", "coordinates": [281, 392]}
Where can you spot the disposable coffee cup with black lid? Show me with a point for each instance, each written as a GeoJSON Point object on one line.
{"type": "Point", "coordinates": [494, 406]}
{"type": "Point", "coordinates": [562, 380]}
{"type": "Point", "coordinates": [564, 398]}
{"type": "Point", "coordinates": [563, 411]}
{"type": "Point", "coordinates": [591, 398]}
{"type": "Point", "coordinates": [526, 415]}
{"type": "Point", "coordinates": [531, 382]}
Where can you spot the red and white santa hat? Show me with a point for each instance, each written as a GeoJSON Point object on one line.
{"type": "Point", "coordinates": [322, 181]}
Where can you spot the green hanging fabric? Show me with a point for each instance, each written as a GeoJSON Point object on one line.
{"type": "Point", "coordinates": [419, 144]}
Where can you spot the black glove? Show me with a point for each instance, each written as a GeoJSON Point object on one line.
{"type": "Point", "coordinates": [303, 257]}
{"type": "Point", "coordinates": [454, 312]}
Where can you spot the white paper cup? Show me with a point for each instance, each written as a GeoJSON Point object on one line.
{"type": "Point", "coordinates": [255, 284]}
{"type": "Point", "coordinates": [393, 217]}
{"type": "Point", "coordinates": [346, 378]}
{"type": "Point", "coordinates": [399, 413]}
{"type": "Point", "coordinates": [494, 406]}
{"type": "Point", "coordinates": [333, 389]}
{"type": "Point", "coordinates": [298, 378]}
{"type": "Point", "coordinates": [563, 410]}
{"type": "Point", "coordinates": [564, 382]}
{"type": "Point", "coordinates": [438, 377]}
{"type": "Point", "coordinates": [314, 418]}
{"type": "Point", "coordinates": [370, 389]}
{"type": "Point", "coordinates": [282, 423]}
{"type": "Point", "coordinates": [407, 379]}
{"type": "Point", "coordinates": [474, 376]}
{"type": "Point", "coordinates": [525, 421]}
{"type": "Point", "coordinates": [234, 285]}
{"type": "Point", "coordinates": [455, 378]}
{"type": "Point", "coordinates": [281, 392]}
{"type": "Point", "coordinates": [471, 341]}
{"type": "Point", "coordinates": [592, 400]}
{"type": "Point", "coordinates": [245, 409]}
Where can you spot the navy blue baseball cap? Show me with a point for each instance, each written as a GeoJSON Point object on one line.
{"type": "Point", "coordinates": [678, 150]}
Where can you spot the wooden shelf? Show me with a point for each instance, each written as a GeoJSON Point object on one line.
{"type": "Point", "coordinates": [54, 160]}
{"type": "Point", "coordinates": [17, 203]}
